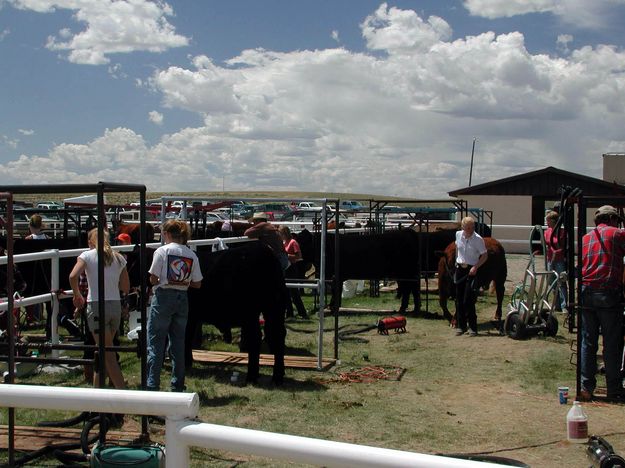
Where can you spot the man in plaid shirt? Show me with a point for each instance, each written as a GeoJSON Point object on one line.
{"type": "Point", "coordinates": [603, 250]}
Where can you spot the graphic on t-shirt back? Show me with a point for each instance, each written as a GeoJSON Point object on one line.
{"type": "Point", "coordinates": [178, 269]}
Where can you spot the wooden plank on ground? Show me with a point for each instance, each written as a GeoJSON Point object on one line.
{"type": "Point", "coordinates": [31, 438]}
{"type": "Point", "coordinates": [355, 311]}
{"type": "Point", "coordinates": [240, 359]}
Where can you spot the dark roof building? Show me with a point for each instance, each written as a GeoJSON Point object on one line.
{"type": "Point", "coordinates": [543, 186]}
{"type": "Point", "coordinates": [542, 183]}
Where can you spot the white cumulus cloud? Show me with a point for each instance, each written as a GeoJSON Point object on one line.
{"type": "Point", "coordinates": [398, 118]}
{"type": "Point", "coordinates": [581, 13]}
{"type": "Point", "coordinates": [112, 26]}
{"type": "Point", "coordinates": [155, 117]}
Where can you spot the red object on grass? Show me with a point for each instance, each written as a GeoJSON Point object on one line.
{"type": "Point", "coordinates": [397, 323]}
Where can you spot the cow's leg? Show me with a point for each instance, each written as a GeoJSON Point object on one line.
{"type": "Point", "coordinates": [337, 295]}
{"type": "Point", "coordinates": [252, 335]}
{"type": "Point", "coordinates": [192, 331]}
{"type": "Point", "coordinates": [416, 295]}
{"type": "Point", "coordinates": [226, 332]}
{"type": "Point", "coordinates": [445, 292]}
{"type": "Point", "coordinates": [275, 334]}
{"type": "Point", "coordinates": [442, 301]}
{"type": "Point", "coordinates": [500, 289]}
{"type": "Point", "coordinates": [403, 293]}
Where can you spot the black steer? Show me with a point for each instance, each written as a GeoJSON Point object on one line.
{"type": "Point", "coordinates": [239, 284]}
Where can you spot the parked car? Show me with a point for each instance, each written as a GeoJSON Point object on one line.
{"type": "Point", "coordinates": [306, 205]}
{"type": "Point", "coordinates": [314, 217]}
{"type": "Point", "coordinates": [48, 205]}
{"type": "Point", "coordinates": [273, 210]}
{"type": "Point", "coordinates": [242, 210]}
{"type": "Point", "coordinates": [351, 205]}
{"type": "Point", "coordinates": [212, 216]}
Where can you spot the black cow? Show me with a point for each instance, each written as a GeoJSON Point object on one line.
{"type": "Point", "coordinates": [37, 274]}
{"type": "Point", "coordinates": [239, 284]}
{"type": "Point", "coordinates": [431, 243]}
{"type": "Point", "coordinates": [399, 254]}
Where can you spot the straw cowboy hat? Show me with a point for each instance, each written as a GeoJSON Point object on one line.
{"type": "Point", "coordinates": [259, 217]}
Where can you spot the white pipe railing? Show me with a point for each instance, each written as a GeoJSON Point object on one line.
{"type": "Point", "coordinates": [54, 255]}
{"type": "Point", "coordinates": [101, 400]}
{"type": "Point", "coordinates": [298, 449]}
{"type": "Point", "coordinates": [182, 432]}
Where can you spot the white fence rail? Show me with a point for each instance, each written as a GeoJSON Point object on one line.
{"type": "Point", "coordinates": [54, 255]}
{"type": "Point", "coordinates": [182, 432]}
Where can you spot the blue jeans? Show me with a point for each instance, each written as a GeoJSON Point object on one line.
{"type": "Point", "coordinates": [603, 312]}
{"type": "Point", "coordinates": [559, 266]}
{"type": "Point", "coordinates": [169, 310]}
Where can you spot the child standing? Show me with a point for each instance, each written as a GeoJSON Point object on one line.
{"type": "Point", "coordinates": [175, 268]}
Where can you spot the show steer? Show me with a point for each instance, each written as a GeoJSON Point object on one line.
{"type": "Point", "coordinates": [239, 284]}
{"type": "Point", "coordinates": [398, 254]}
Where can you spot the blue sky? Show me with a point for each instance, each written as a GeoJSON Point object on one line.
{"type": "Point", "coordinates": [342, 96]}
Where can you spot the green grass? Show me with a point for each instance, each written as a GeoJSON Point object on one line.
{"type": "Point", "coordinates": [449, 384]}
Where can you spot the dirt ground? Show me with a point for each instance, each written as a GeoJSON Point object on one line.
{"type": "Point", "coordinates": [459, 395]}
{"type": "Point", "coordinates": [541, 415]}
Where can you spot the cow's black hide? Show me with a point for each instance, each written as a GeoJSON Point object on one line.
{"type": "Point", "coordinates": [35, 276]}
{"type": "Point", "coordinates": [239, 284]}
{"type": "Point", "coordinates": [399, 254]}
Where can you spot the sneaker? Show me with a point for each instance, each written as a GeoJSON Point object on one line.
{"type": "Point", "coordinates": [584, 395]}
{"type": "Point", "coordinates": [472, 333]}
{"type": "Point", "coordinates": [460, 331]}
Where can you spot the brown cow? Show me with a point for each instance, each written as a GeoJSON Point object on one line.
{"type": "Point", "coordinates": [495, 269]}
{"type": "Point", "coordinates": [133, 230]}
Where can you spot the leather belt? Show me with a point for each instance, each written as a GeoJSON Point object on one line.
{"type": "Point", "coordinates": [463, 265]}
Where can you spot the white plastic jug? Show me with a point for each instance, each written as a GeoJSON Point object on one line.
{"type": "Point", "coordinates": [577, 424]}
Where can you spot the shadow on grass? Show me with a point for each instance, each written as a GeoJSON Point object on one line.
{"type": "Point", "coordinates": [223, 374]}
{"type": "Point", "coordinates": [214, 402]}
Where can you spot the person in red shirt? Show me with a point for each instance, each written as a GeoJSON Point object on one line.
{"type": "Point", "coordinates": [603, 250]}
{"type": "Point", "coordinates": [555, 256]}
{"type": "Point", "coordinates": [294, 271]}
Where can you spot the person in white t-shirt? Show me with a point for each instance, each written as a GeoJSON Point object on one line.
{"type": "Point", "coordinates": [115, 280]}
{"type": "Point", "coordinates": [35, 225]}
{"type": "Point", "coordinates": [471, 254]}
{"type": "Point", "coordinates": [175, 268]}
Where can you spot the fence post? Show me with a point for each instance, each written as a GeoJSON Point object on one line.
{"type": "Point", "coordinates": [55, 286]}
{"type": "Point", "coordinates": [176, 450]}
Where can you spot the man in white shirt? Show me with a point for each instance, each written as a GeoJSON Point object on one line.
{"type": "Point", "coordinates": [471, 254]}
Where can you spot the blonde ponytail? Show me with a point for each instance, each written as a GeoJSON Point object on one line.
{"type": "Point", "coordinates": [109, 254]}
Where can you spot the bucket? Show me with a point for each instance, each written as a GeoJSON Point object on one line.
{"type": "Point", "coordinates": [112, 456]}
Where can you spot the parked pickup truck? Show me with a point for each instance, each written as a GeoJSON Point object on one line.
{"type": "Point", "coordinates": [307, 205]}
{"type": "Point", "coordinates": [351, 205]}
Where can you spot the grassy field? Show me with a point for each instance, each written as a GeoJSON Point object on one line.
{"type": "Point", "coordinates": [123, 198]}
{"type": "Point", "coordinates": [487, 394]}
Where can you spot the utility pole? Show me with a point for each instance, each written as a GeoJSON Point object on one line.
{"type": "Point", "coordinates": [471, 168]}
